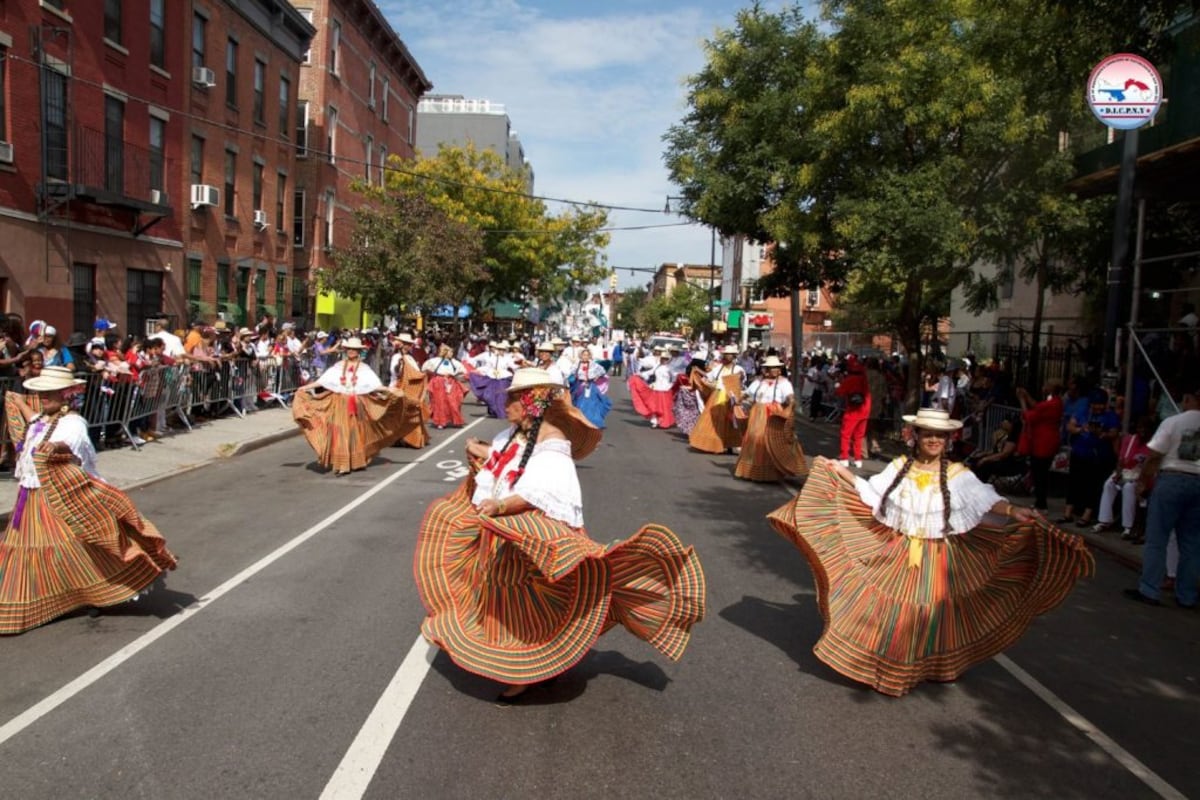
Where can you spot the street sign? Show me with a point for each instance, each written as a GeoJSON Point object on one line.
{"type": "Point", "coordinates": [1124, 91]}
{"type": "Point", "coordinates": [720, 303]}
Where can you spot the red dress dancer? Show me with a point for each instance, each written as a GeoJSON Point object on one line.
{"type": "Point", "coordinates": [446, 389]}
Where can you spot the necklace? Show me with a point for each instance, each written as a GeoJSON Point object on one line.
{"type": "Point", "coordinates": [352, 372]}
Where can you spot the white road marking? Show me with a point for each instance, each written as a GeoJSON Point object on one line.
{"type": "Point", "coordinates": [1078, 721]}
{"type": "Point", "coordinates": [40, 709]}
{"type": "Point", "coordinates": [352, 777]}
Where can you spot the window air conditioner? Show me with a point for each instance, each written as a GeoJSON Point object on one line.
{"type": "Point", "coordinates": [260, 218]}
{"type": "Point", "coordinates": [205, 195]}
{"type": "Point", "coordinates": [203, 77]}
{"type": "Point", "coordinates": [159, 197]}
{"type": "Point", "coordinates": [6, 152]}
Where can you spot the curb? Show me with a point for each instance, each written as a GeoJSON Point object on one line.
{"type": "Point", "coordinates": [255, 444]}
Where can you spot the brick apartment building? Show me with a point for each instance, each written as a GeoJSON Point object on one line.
{"type": "Point", "coordinates": [96, 196]}
{"type": "Point", "coordinates": [243, 67]}
{"type": "Point", "coordinates": [359, 89]}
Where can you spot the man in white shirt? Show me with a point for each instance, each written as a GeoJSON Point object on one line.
{"type": "Point", "coordinates": [172, 344]}
{"type": "Point", "coordinates": [1173, 468]}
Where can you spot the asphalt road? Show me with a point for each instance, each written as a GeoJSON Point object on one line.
{"type": "Point", "coordinates": [254, 672]}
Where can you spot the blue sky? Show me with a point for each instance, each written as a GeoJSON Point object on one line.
{"type": "Point", "coordinates": [590, 87]}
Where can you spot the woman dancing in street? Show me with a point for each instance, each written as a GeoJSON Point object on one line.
{"type": "Point", "coordinates": [717, 429]}
{"type": "Point", "coordinates": [515, 589]}
{"type": "Point", "coordinates": [770, 451]}
{"type": "Point", "coordinates": [446, 388]}
{"type": "Point", "coordinates": [355, 416]}
{"type": "Point", "coordinates": [923, 571]}
{"type": "Point", "coordinates": [72, 541]}
{"type": "Point", "coordinates": [589, 389]}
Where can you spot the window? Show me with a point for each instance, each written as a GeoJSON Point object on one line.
{"type": "Point", "coordinates": [335, 47]}
{"type": "Point", "coordinates": [158, 135]}
{"type": "Point", "coordinates": [302, 129]}
{"type": "Point", "coordinates": [368, 158]}
{"type": "Point", "coordinates": [280, 197]}
{"type": "Point", "coordinates": [230, 180]}
{"type": "Point", "coordinates": [114, 144]}
{"type": "Point", "coordinates": [813, 299]}
{"type": "Point", "coordinates": [231, 55]}
{"type": "Point", "coordinates": [1007, 281]}
{"type": "Point", "coordinates": [4, 94]}
{"type": "Point", "coordinates": [298, 219]}
{"type": "Point", "coordinates": [199, 28]}
{"type": "Point", "coordinates": [285, 98]}
{"type": "Point", "coordinates": [55, 4]}
{"type": "Point", "coordinates": [243, 293]}
{"type": "Point", "coordinates": [54, 118]}
{"type": "Point", "coordinates": [112, 24]}
{"type": "Point", "coordinates": [83, 295]}
{"type": "Point", "coordinates": [260, 78]}
{"type": "Point", "coordinates": [387, 90]}
{"type": "Point", "coordinates": [371, 87]}
{"type": "Point", "coordinates": [257, 183]}
{"type": "Point", "coordinates": [382, 165]}
{"type": "Point", "coordinates": [299, 297]}
{"type": "Point", "coordinates": [195, 279]}
{"type": "Point", "coordinates": [143, 298]}
{"type": "Point", "coordinates": [412, 124]}
{"type": "Point", "coordinates": [280, 294]}
{"type": "Point", "coordinates": [328, 221]}
{"type": "Point", "coordinates": [331, 123]}
{"type": "Point", "coordinates": [222, 285]}
{"type": "Point", "coordinates": [158, 33]}
{"type": "Point", "coordinates": [197, 159]}
{"type": "Point", "coordinates": [308, 16]}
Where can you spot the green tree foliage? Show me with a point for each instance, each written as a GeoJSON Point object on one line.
{"type": "Point", "coordinates": [526, 250]}
{"type": "Point", "coordinates": [685, 306]}
{"type": "Point", "coordinates": [628, 306]}
{"type": "Point", "coordinates": [404, 252]}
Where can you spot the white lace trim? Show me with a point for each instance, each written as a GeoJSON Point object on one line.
{"type": "Point", "coordinates": [916, 510]}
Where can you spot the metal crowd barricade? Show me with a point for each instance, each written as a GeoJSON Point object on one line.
{"type": "Point", "coordinates": [992, 417]}
{"type": "Point", "coordinates": [282, 375]}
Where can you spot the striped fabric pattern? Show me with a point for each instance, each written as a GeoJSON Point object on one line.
{"type": "Point", "coordinates": [522, 598]}
{"type": "Point", "coordinates": [342, 441]}
{"type": "Point", "coordinates": [891, 625]}
{"type": "Point", "coordinates": [770, 451]}
{"type": "Point", "coordinates": [417, 411]}
{"type": "Point", "coordinates": [715, 431]}
{"type": "Point", "coordinates": [80, 542]}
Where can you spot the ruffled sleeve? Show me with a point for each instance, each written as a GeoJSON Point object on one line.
{"type": "Point", "coordinates": [551, 484]}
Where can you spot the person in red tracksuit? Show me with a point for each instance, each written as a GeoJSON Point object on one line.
{"type": "Point", "coordinates": [856, 397]}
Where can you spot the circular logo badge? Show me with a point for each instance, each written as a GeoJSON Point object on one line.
{"type": "Point", "coordinates": [1124, 91]}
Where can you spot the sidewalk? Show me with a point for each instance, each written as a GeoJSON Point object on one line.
{"type": "Point", "coordinates": [180, 451]}
{"type": "Point", "coordinates": [1110, 542]}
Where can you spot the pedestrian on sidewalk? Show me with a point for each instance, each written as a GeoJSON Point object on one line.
{"type": "Point", "coordinates": [1174, 468]}
{"type": "Point", "coordinates": [1132, 453]}
{"type": "Point", "coordinates": [73, 540]}
{"type": "Point", "coordinates": [915, 581]}
{"type": "Point", "coordinates": [1040, 439]}
{"type": "Point", "coordinates": [515, 589]}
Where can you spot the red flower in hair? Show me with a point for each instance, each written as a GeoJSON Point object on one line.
{"type": "Point", "coordinates": [535, 401]}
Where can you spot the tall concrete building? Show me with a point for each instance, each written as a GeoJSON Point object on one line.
{"type": "Point", "coordinates": [454, 119]}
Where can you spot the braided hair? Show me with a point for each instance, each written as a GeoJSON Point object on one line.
{"type": "Point", "coordinates": [943, 480]}
{"type": "Point", "coordinates": [534, 430]}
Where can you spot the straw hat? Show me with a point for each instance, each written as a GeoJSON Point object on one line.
{"type": "Point", "coordinates": [499, 345]}
{"type": "Point", "coordinates": [52, 379]}
{"type": "Point", "coordinates": [729, 350]}
{"type": "Point", "coordinates": [406, 339]}
{"type": "Point", "coordinates": [557, 342]}
{"type": "Point", "coordinates": [545, 347]}
{"type": "Point", "coordinates": [933, 419]}
{"type": "Point", "coordinates": [353, 343]}
{"type": "Point", "coordinates": [583, 435]}
{"type": "Point", "coordinates": [771, 361]}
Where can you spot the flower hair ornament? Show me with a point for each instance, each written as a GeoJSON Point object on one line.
{"type": "Point", "coordinates": [535, 401]}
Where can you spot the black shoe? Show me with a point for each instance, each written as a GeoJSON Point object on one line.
{"type": "Point", "coordinates": [1137, 596]}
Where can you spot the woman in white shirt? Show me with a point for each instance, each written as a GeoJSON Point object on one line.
{"type": "Point", "coordinates": [446, 389]}
{"type": "Point", "coordinates": [72, 541]}
{"type": "Point", "coordinates": [923, 571]}
{"type": "Point", "coordinates": [770, 451]}
{"type": "Point", "coordinates": [492, 376]}
{"type": "Point", "coordinates": [514, 588]}
{"type": "Point", "coordinates": [717, 429]}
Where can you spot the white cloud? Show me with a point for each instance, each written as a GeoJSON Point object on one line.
{"type": "Point", "coordinates": [589, 95]}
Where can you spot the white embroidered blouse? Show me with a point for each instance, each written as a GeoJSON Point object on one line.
{"type": "Point", "coordinates": [770, 390]}
{"type": "Point", "coordinates": [915, 506]}
{"type": "Point", "coordinates": [548, 483]}
{"type": "Point", "coordinates": [347, 378]}
{"type": "Point", "coordinates": [71, 429]}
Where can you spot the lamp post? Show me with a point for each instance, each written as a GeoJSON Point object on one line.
{"type": "Point", "coordinates": [712, 270]}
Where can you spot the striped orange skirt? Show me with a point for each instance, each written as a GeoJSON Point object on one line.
{"type": "Point", "coordinates": [345, 441]}
{"type": "Point", "coordinates": [890, 624]}
{"type": "Point", "coordinates": [416, 430]}
{"type": "Point", "coordinates": [770, 451]}
{"type": "Point", "coordinates": [77, 542]}
{"type": "Point", "coordinates": [522, 598]}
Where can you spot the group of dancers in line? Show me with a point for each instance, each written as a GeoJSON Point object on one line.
{"type": "Point", "coordinates": [921, 571]}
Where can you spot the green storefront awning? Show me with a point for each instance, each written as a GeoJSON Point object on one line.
{"type": "Point", "coordinates": [506, 310]}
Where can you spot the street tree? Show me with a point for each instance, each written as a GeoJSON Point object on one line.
{"type": "Point", "coordinates": [685, 306]}
{"type": "Point", "coordinates": [628, 306]}
{"type": "Point", "coordinates": [528, 253]}
{"type": "Point", "coordinates": [405, 253]}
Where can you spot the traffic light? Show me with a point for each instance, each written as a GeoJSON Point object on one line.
{"type": "Point", "coordinates": [612, 281]}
